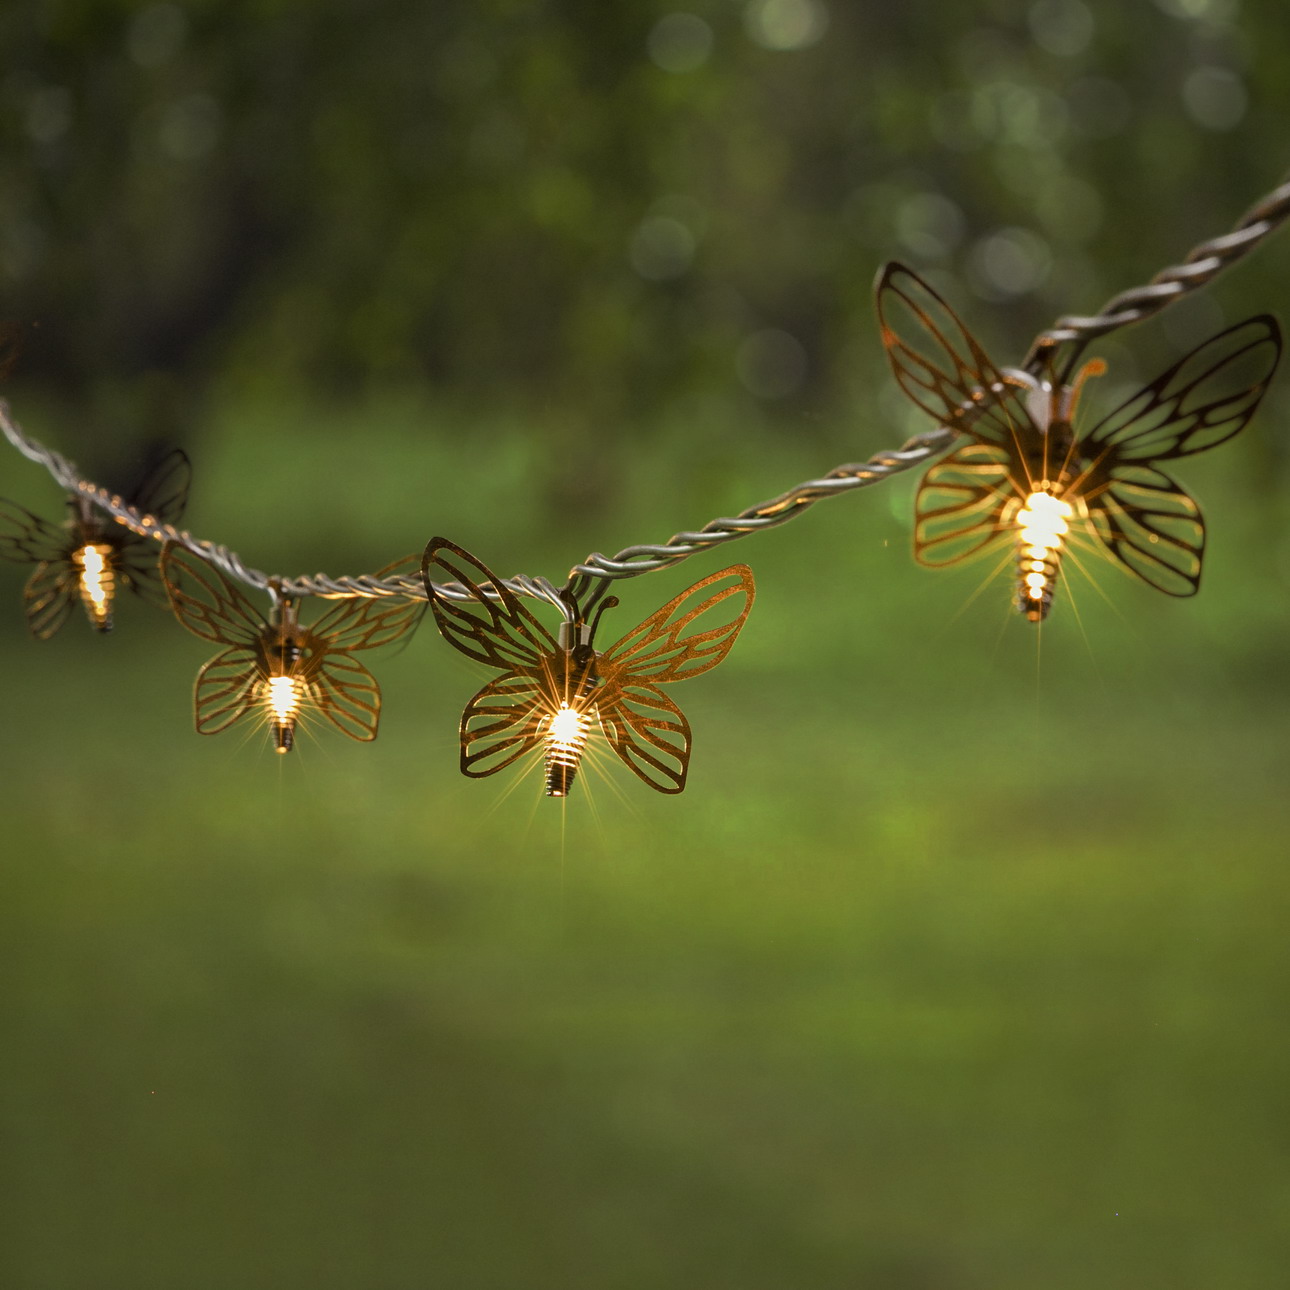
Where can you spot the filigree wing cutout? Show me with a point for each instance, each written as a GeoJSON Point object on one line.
{"type": "Point", "coordinates": [668, 646]}
{"type": "Point", "coordinates": [1204, 399]}
{"type": "Point", "coordinates": [48, 597]}
{"type": "Point", "coordinates": [1152, 527]}
{"type": "Point", "coordinates": [225, 689]}
{"type": "Point", "coordinates": [163, 491]}
{"type": "Point", "coordinates": [363, 622]}
{"type": "Point", "coordinates": [501, 724]}
{"type": "Point", "coordinates": [649, 733]}
{"type": "Point", "coordinates": [497, 631]}
{"type": "Point", "coordinates": [27, 539]}
{"type": "Point", "coordinates": [162, 495]}
{"type": "Point", "coordinates": [941, 366]}
{"type": "Point", "coordinates": [347, 695]}
{"type": "Point", "coordinates": [961, 505]}
{"type": "Point", "coordinates": [207, 602]}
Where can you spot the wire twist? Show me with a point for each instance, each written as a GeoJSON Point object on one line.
{"type": "Point", "coordinates": [1202, 264]}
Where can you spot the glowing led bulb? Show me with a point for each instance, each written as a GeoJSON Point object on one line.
{"type": "Point", "coordinates": [566, 737]}
{"type": "Point", "coordinates": [97, 582]}
{"type": "Point", "coordinates": [283, 701]}
{"type": "Point", "coordinates": [1042, 524]}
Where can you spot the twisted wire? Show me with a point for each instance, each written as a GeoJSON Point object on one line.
{"type": "Point", "coordinates": [1200, 267]}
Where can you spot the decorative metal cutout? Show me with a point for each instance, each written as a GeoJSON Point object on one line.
{"type": "Point", "coordinates": [1026, 475]}
{"type": "Point", "coordinates": [278, 666]}
{"type": "Point", "coordinates": [556, 693]}
{"type": "Point", "coordinates": [88, 557]}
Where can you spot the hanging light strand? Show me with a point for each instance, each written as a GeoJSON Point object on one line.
{"type": "Point", "coordinates": [1199, 268]}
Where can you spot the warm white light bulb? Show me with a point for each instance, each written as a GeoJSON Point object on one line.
{"type": "Point", "coordinates": [566, 736]}
{"type": "Point", "coordinates": [97, 582]}
{"type": "Point", "coordinates": [282, 698]}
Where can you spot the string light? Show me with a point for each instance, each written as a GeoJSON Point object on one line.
{"type": "Point", "coordinates": [1149, 524]}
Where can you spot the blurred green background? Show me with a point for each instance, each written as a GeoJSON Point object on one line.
{"type": "Point", "coordinates": [961, 963]}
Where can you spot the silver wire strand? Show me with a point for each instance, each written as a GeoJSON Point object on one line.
{"type": "Point", "coordinates": [1202, 264]}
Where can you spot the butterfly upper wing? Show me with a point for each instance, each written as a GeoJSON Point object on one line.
{"type": "Point", "coordinates": [206, 601]}
{"type": "Point", "coordinates": [162, 494]}
{"type": "Point", "coordinates": [959, 510]}
{"type": "Point", "coordinates": [363, 622]}
{"type": "Point", "coordinates": [49, 595]}
{"type": "Point", "coordinates": [668, 646]}
{"type": "Point", "coordinates": [1204, 399]}
{"type": "Point", "coordinates": [501, 723]}
{"type": "Point", "coordinates": [225, 689]}
{"type": "Point", "coordinates": [941, 366]}
{"type": "Point", "coordinates": [27, 539]}
{"type": "Point", "coordinates": [499, 632]}
{"type": "Point", "coordinates": [1146, 520]}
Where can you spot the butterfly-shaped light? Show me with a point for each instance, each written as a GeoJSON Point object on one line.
{"type": "Point", "coordinates": [556, 693]}
{"type": "Point", "coordinates": [279, 668]}
{"type": "Point", "coordinates": [89, 556]}
{"type": "Point", "coordinates": [1027, 477]}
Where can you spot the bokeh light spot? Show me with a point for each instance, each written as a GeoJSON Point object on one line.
{"type": "Point", "coordinates": [1009, 263]}
{"type": "Point", "coordinates": [680, 42]}
{"type": "Point", "coordinates": [156, 35]}
{"type": "Point", "coordinates": [661, 248]}
{"type": "Point", "coordinates": [1062, 27]}
{"type": "Point", "coordinates": [1215, 97]}
{"type": "Point", "coordinates": [929, 225]}
{"type": "Point", "coordinates": [190, 128]}
{"type": "Point", "coordinates": [786, 24]}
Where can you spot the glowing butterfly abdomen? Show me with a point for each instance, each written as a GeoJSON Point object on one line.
{"type": "Point", "coordinates": [565, 739]}
{"type": "Point", "coordinates": [96, 582]}
{"type": "Point", "coordinates": [1042, 525]}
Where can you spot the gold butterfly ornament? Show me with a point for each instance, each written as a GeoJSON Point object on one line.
{"type": "Point", "coordinates": [89, 557]}
{"type": "Point", "coordinates": [558, 694]}
{"type": "Point", "coordinates": [1027, 478]}
{"type": "Point", "coordinates": [278, 667]}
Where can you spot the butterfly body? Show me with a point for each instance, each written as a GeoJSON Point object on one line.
{"type": "Point", "coordinates": [557, 693]}
{"type": "Point", "coordinates": [1026, 475]}
{"type": "Point", "coordinates": [88, 558]}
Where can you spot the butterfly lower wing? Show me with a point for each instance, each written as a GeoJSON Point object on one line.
{"type": "Point", "coordinates": [364, 622]}
{"type": "Point", "coordinates": [501, 724]}
{"type": "Point", "coordinates": [48, 597]}
{"type": "Point", "coordinates": [941, 366]}
{"type": "Point", "coordinates": [498, 631]}
{"type": "Point", "coordinates": [649, 733]}
{"type": "Point", "coordinates": [206, 601]}
{"type": "Point", "coordinates": [344, 692]}
{"type": "Point", "coordinates": [960, 507]}
{"type": "Point", "coordinates": [225, 689]}
{"type": "Point", "coordinates": [690, 634]}
{"type": "Point", "coordinates": [1152, 527]}
{"type": "Point", "coordinates": [1205, 398]}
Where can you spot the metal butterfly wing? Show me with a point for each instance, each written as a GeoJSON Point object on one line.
{"type": "Point", "coordinates": [1147, 521]}
{"type": "Point", "coordinates": [686, 637]}
{"type": "Point", "coordinates": [502, 722]}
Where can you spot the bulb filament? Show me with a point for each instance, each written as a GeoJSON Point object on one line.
{"type": "Point", "coordinates": [97, 583]}
{"type": "Point", "coordinates": [1042, 524]}
{"type": "Point", "coordinates": [566, 737]}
